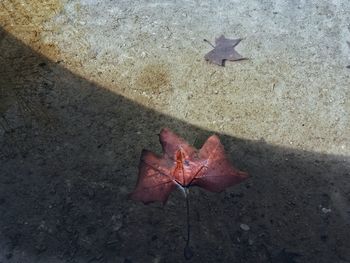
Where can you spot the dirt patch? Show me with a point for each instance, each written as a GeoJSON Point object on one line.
{"type": "Point", "coordinates": [25, 20]}
{"type": "Point", "coordinates": [153, 78]}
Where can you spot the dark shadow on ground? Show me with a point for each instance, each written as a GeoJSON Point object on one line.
{"type": "Point", "coordinates": [68, 157]}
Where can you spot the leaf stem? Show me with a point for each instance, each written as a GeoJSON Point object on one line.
{"type": "Point", "coordinates": [188, 220]}
{"type": "Point", "coordinates": [188, 253]}
{"type": "Point", "coordinates": [205, 40]}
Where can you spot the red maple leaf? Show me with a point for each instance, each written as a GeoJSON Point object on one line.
{"type": "Point", "coordinates": [184, 166]}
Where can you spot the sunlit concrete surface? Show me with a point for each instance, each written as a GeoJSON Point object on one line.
{"type": "Point", "coordinates": [292, 91]}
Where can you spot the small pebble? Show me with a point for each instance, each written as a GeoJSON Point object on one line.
{"type": "Point", "coordinates": [245, 227]}
{"type": "Point", "coordinates": [326, 210]}
{"type": "Point", "coordinates": [117, 222]}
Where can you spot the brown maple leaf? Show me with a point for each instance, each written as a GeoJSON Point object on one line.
{"type": "Point", "coordinates": [183, 165]}
{"type": "Point", "coordinates": [224, 49]}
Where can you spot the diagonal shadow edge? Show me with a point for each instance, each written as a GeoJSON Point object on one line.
{"type": "Point", "coordinates": [69, 154]}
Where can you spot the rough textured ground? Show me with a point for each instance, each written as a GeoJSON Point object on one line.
{"type": "Point", "coordinates": [86, 85]}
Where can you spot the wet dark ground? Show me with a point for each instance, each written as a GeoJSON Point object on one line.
{"type": "Point", "coordinates": [68, 158]}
